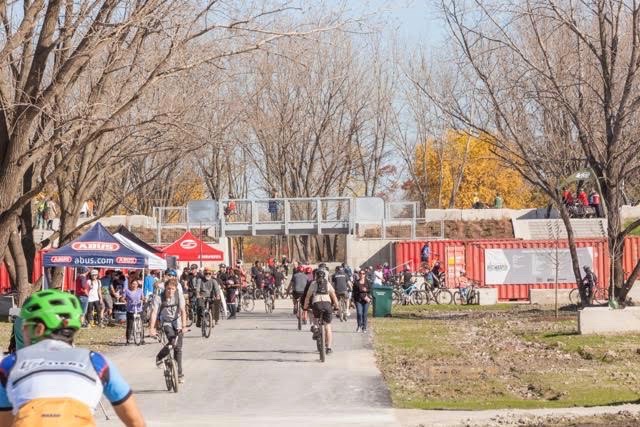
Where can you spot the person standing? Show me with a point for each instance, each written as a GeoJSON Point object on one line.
{"type": "Point", "coordinates": [594, 202]}
{"type": "Point", "coordinates": [133, 298]}
{"type": "Point", "coordinates": [107, 294]}
{"type": "Point", "coordinates": [82, 292]}
{"type": "Point", "coordinates": [94, 299]}
{"type": "Point", "coordinates": [498, 202]}
{"type": "Point", "coordinates": [51, 212]}
{"type": "Point", "coordinates": [362, 299]}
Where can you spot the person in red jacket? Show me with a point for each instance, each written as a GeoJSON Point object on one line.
{"type": "Point", "coordinates": [82, 291]}
{"type": "Point", "coordinates": [582, 197]}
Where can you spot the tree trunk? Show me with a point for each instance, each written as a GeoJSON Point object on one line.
{"type": "Point", "coordinates": [22, 275]}
{"type": "Point", "coordinates": [11, 269]}
{"type": "Point", "coordinates": [572, 241]}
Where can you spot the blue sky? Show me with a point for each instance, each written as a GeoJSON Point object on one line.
{"type": "Point", "coordinates": [415, 22]}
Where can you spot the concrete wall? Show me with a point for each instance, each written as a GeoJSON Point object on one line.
{"type": "Point", "coordinates": [362, 252]}
{"type": "Point", "coordinates": [548, 296]}
{"type": "Point", "coordinates": [603, 320]}
{"type": "Point", "coordinates": [628, 212]}
{"type": "Point", "coordinates": [487, 296]}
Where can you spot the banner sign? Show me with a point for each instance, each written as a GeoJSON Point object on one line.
{"type": "Point", "coordinates": [518, 266]}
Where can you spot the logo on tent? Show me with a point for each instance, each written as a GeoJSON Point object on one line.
{"type": "Point", "coordinates": [95, 246]}
{"type": "Point", "coordinates": [61, 259]}
{"type": "Point", "coordinates": [188, 244]}
{"type": "Point", "coordinates": [125, 260]}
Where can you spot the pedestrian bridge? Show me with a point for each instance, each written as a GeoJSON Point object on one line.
{"type": "Point", "coordinates": [368, 217]}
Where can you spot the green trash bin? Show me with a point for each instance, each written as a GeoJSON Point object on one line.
{"type": "Point", "coordinates": [382, 300]}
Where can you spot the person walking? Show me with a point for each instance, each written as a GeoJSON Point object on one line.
{"type": "Point", "coordinates": [94, 299]}
{"type": "Point", "coordinates": [82, 292]}
{"type": "Point", "coordinates": [50, 213]}
{"type": "Point", "coordinates": [133, 297]}
{"type": "Point", "coordinates": [362, 299]}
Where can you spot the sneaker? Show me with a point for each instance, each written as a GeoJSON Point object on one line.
{"type": "Point", "coordinates": [364, 330]}
{"type": "Point", "coordinates": [181, 379]}
{"type": "Point", "coordinates": [313, 328]}
{"type": "Point", "coordinates": [304, 322]}
{"type": "Point", "coordinates": [358, 329]}
{"type": "Point", "coordinates": [329, 351]}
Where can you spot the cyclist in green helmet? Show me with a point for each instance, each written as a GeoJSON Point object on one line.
{"type": "Point", "coordinates": [50, 382]}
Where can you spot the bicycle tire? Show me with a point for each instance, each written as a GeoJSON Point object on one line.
{"type": "Point", "coordinates": [444, 297]}
{"type": "Point", "coordinates": [574, 296]}
{"type": "Point", "coordinates": [457, 298]}
{"type": "Point", "coordinates": [474, 298]}
{"type": "Point", "coordinates": [174, 375]}
{"type": "Point", "coordinates": [600, 296]}
{"type": "Point", "coordinates": [248, 304]}
{"type": "Point", "coordinates": [137, 331]}
{"type": "Point", "coordinates": [416, 298]}
{"type": "Point", "coordinates": [168, 379]}
{"type": "Point", "coordinates": [397, 298]}
{"type": "Point", "coordinates": [207, 324]}
{"type": "Point", "coordinates": [299, 315]}
{"type": "Point", "coordinates": [322, 344]}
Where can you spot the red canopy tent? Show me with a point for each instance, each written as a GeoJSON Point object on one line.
{"type": "Point", "coordinates": [189, 248]}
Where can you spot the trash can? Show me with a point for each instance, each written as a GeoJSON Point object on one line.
{"type": "Point", "coordinates": [382, 300]}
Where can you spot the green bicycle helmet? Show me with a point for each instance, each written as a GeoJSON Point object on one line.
{"type": "Point", "coordinates": [54, 308]}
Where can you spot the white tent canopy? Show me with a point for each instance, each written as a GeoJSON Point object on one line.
{"type": "Point", "coordinates": [154, 262]}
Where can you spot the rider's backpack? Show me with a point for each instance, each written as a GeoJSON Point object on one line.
{"type": "Point", "coordinates": [322, 287]}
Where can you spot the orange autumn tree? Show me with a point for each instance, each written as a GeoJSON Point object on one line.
{"type": "Point", "coordinates": [460, 166]}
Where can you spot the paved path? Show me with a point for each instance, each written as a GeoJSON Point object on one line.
{"type": "Point", "coordinates": [259, 370]}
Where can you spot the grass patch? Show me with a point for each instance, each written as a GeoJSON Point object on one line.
{"type": "Point", "coordinates": [635, 231]}
{"type": "Point", "coordinates": [99, 339]}
{"type": "Point", "coordinates": [505, 356]}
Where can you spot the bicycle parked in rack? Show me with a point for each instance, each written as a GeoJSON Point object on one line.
{"type": "Point", "coordinates": [438, 295]}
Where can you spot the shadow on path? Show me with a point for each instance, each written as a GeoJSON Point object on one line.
{"type": "Point", "coordinates": [241, 359]}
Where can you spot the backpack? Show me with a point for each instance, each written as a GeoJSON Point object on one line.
{"type": "Point", "coordinates": [322, 287]}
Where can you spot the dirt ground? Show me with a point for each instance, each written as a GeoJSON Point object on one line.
{"type": "Point", "coordinates": [506, 356]}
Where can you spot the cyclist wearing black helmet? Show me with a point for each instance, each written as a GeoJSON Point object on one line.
{"type": "Point", "coordinates": [323, 298]}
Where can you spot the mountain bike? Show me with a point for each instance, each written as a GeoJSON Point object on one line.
{"type": "Point", "coordinates": [468, 295]}
{"type": "Point", "coordinates": [138, 329]}
{"type": "Point", "coordinates": [206, 322]}
{"type": "Point", "coordinates": [437, 295]}
{"type": "Point", "coordinates": [412, 295]}
{"type": "Point", "coordinates": [600, 296]}
{"type": "Point", "coordinates": [171, 371]}
{"type": "Point", "coordinates": [247, 302]}
{"type": "Point", "coordinates": [269, 302]}
{"type": "Point", "coordinates": [320, 340]}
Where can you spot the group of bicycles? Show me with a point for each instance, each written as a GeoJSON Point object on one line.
{"type": "Point", "coordinates": [427, 293]}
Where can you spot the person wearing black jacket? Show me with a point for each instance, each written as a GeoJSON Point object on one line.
{"type": "Point", "coordinates": [362, 299]}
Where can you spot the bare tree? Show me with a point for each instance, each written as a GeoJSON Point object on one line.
{"type": "Point", "coordinates": [556, 87]}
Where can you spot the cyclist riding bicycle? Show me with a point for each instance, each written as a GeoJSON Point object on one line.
{"type": "Point", "coordinates": [169, 310]}
{"type": "Point", "coordinates": [205, 290]}
{"type": "Point", "coordinates": [51, 383]}
{"type": "Point", "coordinates": [340, 282]}
{"type": "Point", "coordinates": [588, 285]}
{"type": "Point", "coordinates": [296, 289]}
{"type": "Point", "coordinates": [323, 298]}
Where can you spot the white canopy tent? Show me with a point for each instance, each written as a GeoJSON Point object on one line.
{"type": "Point", "coordinates": [154, 262]}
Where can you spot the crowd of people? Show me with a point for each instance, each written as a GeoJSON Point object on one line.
{"type": "Point", "coordinates": [581, 204]}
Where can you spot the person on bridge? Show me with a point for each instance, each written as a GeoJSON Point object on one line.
{"type": "Point", "coordinates": [169, 308]}
{"type": "Point", "coordinates": [324, 300]}
{"type": "Point", "coordinates": [51, 382]}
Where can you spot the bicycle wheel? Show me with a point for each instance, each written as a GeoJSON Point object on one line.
{"type": "Point", "coordinates": [574, 296]}
{"type": "Point", "coordinates": [457, 298]}
{"type": "Point", "coordinates": [174, 375]}
{"type": "Point", "coordinates": [207, 324]}
{"type": "Point", "coordinates": [444, 297]}
{"type": "Point", "coordinates": [322, 344]}
{"type": "Point", "coordinates": [600, 296]}
{"type": "Point", "coordinates": [299, 315]}
{"type": "Point", "coordinates": [397, 297]}
{"type": "Point", "coordinates": [416, 298]}
{"type": "Point", "coordinates": [168, 378]}
{"type": "Point", "coordinates": [474, 297]}
{"type": "Point", "coordinates": [248, 303]}
{"type": "Point", "coordinates": [137, 330]}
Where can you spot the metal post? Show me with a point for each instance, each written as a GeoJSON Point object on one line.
{"type": "Point", "coordinates": [287, 216]}
{"type": "Point", "coordinates": [413, 222]}
{"type": "Point", "coordinates": [221, 218]}
{"type": "Point", "coordinates": [159, 221]}
{"type": "Point", "coordinates": [253, 217]}
{"type": "Point", "coordinates": [319, 215]}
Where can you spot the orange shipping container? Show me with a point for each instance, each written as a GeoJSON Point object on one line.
{"type": "Point", "coordinates": [476, 262]}
{"type": "Point", "coordinates": [631, 254]}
